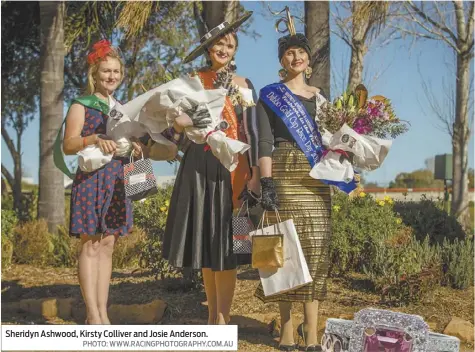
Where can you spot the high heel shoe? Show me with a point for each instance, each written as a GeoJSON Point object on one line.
{"type": "Point", "coordinates": [287, 347]}
{"type": "Point", "coordinates": [272, 328]}
{"type": "Point", "coordinates": [305, 347]}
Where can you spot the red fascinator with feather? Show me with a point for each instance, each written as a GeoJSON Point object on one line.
{"type": "Point", "coordinates": [99, 51]}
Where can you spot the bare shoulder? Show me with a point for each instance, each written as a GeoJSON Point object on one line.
{"type": "Point", "coordinates": [241, 81]}
{"type": "Point", "coordinates": [76, 109]}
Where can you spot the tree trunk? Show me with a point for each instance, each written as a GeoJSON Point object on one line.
{"type": "Point", "coordinates": [356, 66]}
{"type": "Point", "coordinates": [317, 30]}
{"type": "Point", "coordinates": [51, 181]}
{"type": "Point", "coordinates": [17, 174]}
{"type": "Point", "coordinates": [460, 139]}
{"type": "Point", "coordinates": [14, 180]}
{"type": "Point", "coordinates": [358, 49]}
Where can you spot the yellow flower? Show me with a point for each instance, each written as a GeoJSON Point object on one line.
{"type": "Point", "coordinates": [388, 200]}
{"type": "Point", "coordinates": [381, 203]}
{"type": "Point", "coordinates": [167, 203]}
{"type": "Point", "coordinates": [163, 208]}
{"type": "Point", "coordinates": [336, 208]}
{"type": "Point", "coordinates": [398, 221]}
{"type": "Point", "coordinates": [362, 195]}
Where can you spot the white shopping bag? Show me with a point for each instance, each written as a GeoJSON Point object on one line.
{"type": "Point", "coordinates": [294, 272]}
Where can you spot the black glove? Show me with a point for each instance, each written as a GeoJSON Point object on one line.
{"type": "Point", "coordinates": [269, 200]}
{"type": "Point", "coordinates": [250, 197]}
{"type": "Point", "coordinates": [200, 116]}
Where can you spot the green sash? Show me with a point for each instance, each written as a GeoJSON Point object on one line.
{"type": "Point", "coordinates": [90, 101]}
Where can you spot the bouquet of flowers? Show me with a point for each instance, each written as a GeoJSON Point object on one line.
{"type": "Point", "coordinates": [158, 108]}
{"type": "Point", "coordinates": [374, 116]}
{"type": "Point", "coordinates": [355, 133]}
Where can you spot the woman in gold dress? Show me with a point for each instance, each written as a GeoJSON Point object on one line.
{"type": "Point", "coordinates": [287, 186]}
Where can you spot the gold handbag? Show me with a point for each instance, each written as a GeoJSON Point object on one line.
{"type": "Point", "coordinates": [268, 250]}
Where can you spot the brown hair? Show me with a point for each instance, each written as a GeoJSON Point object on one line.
{"type": "Point", "coordinates": [93, 68]}
{"type": "Point", "coordinates": [234, 34]}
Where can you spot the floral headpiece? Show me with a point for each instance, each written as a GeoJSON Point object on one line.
{"type": "Point", "coordinates": [99, 51]}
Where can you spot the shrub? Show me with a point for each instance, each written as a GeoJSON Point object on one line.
{"type": "Point", "coordinates": [151, 215]}
{"type": "Point", "coordinates": [65, 248]}
{"type": "Point", "coordinates": [7, 252]}
{"type": "Point", "coordinates": [128, 249]}
{"type": "Point", "coordinates": [357, 222]}
{"type": "Point", "coordinates": [7, 202]}
{"type": "Point", "coordinates": [403, 269]}
{"type": "Point", "coordinates": [29, 205]}
{"type": "Point", "coordinates": [9, 221]}
{"type": "Point", "coordinates": [458, 263]}
{"type": "Point", "coordinates": [33, 244]}
{"type": "Point", "coordinates": [428, 218]}
{"type": "Point", "coordinates": [405, 249]}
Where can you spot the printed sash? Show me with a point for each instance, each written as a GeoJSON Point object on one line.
{"type": "Point", "coordinates": [301, 126]}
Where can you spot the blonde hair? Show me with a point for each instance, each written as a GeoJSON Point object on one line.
{"type": "Point", "coordinates": [93, 68]}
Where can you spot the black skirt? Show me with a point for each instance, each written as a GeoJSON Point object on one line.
{"type": "Point", "coordinates": [198, 232]}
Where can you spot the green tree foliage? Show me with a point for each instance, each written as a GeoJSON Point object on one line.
{"type": "Point", "coordinates": [416, 179]}
{"type": "Point", "coordinates": [152, 55]}
{"type": "Point", "coordinates": [20, 84]}
{"type": "Point", "coordinates": [470, 178]}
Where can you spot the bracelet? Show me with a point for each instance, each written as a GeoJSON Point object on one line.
{"type": "Point", "coordinates": [84, 142]}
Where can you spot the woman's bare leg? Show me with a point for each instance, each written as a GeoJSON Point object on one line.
{"type": "Point", "coordinates": [210, 289]}
{"type": "Point", "coordinates": [286, 326]}
{"type": "Point", "coordinates": [310, 323]}
{"type": "Point", "coordinates": [88, 265]}
{"type": "Point", "coordinates": [225, 286]}
{"type": "Point", "coordinates": [105, 272]}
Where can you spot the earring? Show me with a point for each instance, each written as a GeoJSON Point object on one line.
{"type": "Point", "coordinates": [308, 72]}
{"type": "Point", "coordinates": [232, 65]}
{"type": "Point", "coordinates": [282, 73]}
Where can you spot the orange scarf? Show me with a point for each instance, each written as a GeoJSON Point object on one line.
{"type": "Point", "coordinates": [242, 173]}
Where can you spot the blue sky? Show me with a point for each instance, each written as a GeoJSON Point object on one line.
{"type": "Point", "coordinates": [401, 66]}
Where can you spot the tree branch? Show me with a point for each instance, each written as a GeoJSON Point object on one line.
{"type": "Point", "coordinates": [432, 33]}
{"type": "Point", "coordinates": [8, 176]}
{"type": "Point", "coordinates": [460, 22]}
{"type": "Point", "coordinates": [9, 142]}
{"type": "Point", "coordinates": [427, 18]}
{"type": "Point", "coordinates": [471, 19]}
{"type": "Point", "coordinates": [342, 37]}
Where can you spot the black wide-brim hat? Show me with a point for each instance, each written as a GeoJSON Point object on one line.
{"type": "Point", "coordinates": [215, 33]}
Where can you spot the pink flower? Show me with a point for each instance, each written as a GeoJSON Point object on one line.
{"type": "Point", "coordinates": [362, 126]}
{"type": "Point", "coordinates": [377, 110]}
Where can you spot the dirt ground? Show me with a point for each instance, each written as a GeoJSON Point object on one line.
{"type": "Point", "coordinates": [345, 297]}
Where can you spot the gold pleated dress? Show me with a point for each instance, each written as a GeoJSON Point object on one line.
{"type": "Point", "coordinates": [307, 201]}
